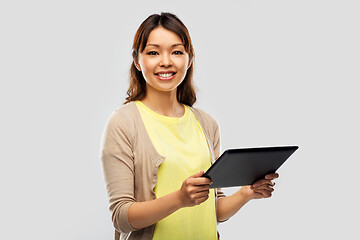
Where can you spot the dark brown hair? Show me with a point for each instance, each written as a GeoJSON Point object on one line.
{"type": "Point", "coordinates": [137, 90]}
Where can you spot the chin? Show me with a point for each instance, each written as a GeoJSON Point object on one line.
{"type": "Point", "coordinates": [165, 87]}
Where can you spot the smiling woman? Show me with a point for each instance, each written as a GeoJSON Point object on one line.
{"type": "Point", "coordinates": [162, 40]}
{"type": "Point", "coordinates": [164, 61]}
{"type": "Point", "coordinates": [156, 146]}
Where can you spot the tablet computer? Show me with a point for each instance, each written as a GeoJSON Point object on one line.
{"type": "Point", "coordinates": [239, 167]}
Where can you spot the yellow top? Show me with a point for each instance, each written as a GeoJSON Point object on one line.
{"type": "Point", "coordinates": [182, 142]}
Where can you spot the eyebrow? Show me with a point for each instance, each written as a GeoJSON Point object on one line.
{"type": "Point", "coordinates": [155, 45]}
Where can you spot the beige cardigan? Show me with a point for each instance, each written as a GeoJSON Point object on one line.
{"type": "Point", "coordinates": [130, 164]}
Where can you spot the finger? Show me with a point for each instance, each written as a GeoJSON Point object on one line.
{"type": "Point", "coordinates": [270, 183]}
{"type": "Point", "coordinates": [199, 174]}
{"type": "Point", "coordinates": [201, 181]}
{"type": "Point", "coordinates": [201, 200]}
{"type": "Point", "coordinates": [267, 194]}
{"type": "Point", "coordinates": [202, 193]}
{"type": "Point", "coordinates": [258, 195]}
{"type": "Point", "coordinates": [272, 176]}
{"type": "Point", "coordinates": [261, 191]}
{"type": "Point", "coordinates": [264, 193]}
{"type": "Point", "coordinates": [198, 195]}
{"type": "Point", "coordinates": [201, 188]}
{"type": "Point", "coordinates": [262, 182]}
{"type": "Point", "coordinates": [264, 187]}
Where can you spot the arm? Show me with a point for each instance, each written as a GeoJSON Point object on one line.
{"type": "Point", "coordinates": [118, 164]}
{"type": "Point", "coordinates": [194, 191]}
{"type": "Point", "coordinates": [228, 206]}
{"type": "Point", "coordinates": [118, 167]}
{"type": "Point", "coordinates": [143, 214]}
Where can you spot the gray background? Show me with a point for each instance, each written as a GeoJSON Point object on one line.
{"type": "Point", "coordinates": [271, 73]}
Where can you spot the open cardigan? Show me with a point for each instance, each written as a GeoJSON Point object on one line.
{"type": "Point", "coordinates": [130, 164]}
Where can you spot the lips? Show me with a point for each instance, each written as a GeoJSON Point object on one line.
{"type": "Point", "coordinates": [165, 75]}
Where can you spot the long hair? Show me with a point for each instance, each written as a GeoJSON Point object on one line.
{"type": "Point", "coordinates": [137, 90]}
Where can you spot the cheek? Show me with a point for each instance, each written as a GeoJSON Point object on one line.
{"type": "Point", "coordinates": [147, 66]}
{"type": "Point", "coordinates": [182, 64]}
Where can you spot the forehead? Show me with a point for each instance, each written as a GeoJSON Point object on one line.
{"type": "Point", "coordinates": [163, 38]}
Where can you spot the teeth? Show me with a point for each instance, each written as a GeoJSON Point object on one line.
{"type": "Point", "coordinates": [165, 75]}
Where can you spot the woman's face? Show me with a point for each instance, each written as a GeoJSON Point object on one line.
{"type": "Point", "coordinates": [164, 61]}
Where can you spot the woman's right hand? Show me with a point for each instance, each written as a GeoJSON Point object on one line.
{"type": "Point", "coordinates": [194, 190]}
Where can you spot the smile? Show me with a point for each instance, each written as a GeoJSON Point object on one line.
{"type": "Point", "coordinates": [165, 76]}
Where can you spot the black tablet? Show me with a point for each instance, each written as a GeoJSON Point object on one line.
{"type": "Point", "coordinates": [239, 167]}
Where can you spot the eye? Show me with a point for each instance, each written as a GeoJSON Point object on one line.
{"type": "Point", "coordinates": [152, 53]}
{"type": "Point", "coordinates": [178, 53]}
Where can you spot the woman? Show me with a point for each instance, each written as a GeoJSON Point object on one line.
{"type": "Point", "coordinates": [156, 147]}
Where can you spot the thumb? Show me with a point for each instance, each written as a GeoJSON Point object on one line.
{"type": "Point", "coordinates": [199, 174]}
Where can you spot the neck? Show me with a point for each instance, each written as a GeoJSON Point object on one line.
{"type": "Point", "coordinates": [163, 102]}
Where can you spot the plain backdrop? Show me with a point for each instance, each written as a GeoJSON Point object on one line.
{"type": "Point", "coordinates": [271, 72]}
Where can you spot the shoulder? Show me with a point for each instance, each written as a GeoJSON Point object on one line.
{"type": "Point", "coordinates": [126, 111]}
{"type": "Point", "coordinates": [123, 117]}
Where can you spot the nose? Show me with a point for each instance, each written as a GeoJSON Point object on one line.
{"type": "Point", "coordinates": [165, 61]}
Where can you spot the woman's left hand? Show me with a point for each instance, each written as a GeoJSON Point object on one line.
{"type": "Point", "coordinates": [260, 189]}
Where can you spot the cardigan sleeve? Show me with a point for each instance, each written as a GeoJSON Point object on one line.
{"type": "Point", "coordinates": [216, 140]}
{"type": "Point", "coordinates": [220, 193]}
{"type": "Point", "coordinates": [117, 159]}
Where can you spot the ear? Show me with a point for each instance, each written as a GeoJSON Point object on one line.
{"type": "Point", "coordinates": [137, 65]}
{"type": "Point", "coordinates": [190, 62]}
